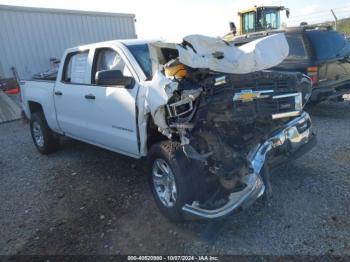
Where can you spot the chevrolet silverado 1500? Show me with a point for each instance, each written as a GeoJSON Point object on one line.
{"type": "Point", "coordinates": [210, 121]}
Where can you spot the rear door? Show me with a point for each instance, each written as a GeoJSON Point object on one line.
{"type": "Point", "coordinates": [111, 110]}
{"type": "Point", "coordinates": [70, 104]}
{"type": "Point", "coordinates": [331, 53]}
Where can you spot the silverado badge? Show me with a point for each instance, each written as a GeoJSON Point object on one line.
{"type": "Point", "coordinates": [249, 95]}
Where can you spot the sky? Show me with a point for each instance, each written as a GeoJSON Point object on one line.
{"type": "Point", "coordinates": [172, 20]}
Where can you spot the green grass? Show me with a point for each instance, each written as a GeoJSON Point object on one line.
{"type": "Point", "coordinates": [344, 26]}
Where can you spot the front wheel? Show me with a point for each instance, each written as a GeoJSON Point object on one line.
{"type": "Point", "coordinates": [169, 184]}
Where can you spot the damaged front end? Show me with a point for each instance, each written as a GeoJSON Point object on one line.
{"type": "Point", "coordinates": [296, 136]}
{"type": "Point", "coordinates": [232, 127]}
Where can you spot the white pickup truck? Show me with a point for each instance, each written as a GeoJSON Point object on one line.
{"type": "Point", "coordinates": [210, 137]}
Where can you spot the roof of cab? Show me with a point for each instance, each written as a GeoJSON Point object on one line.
{"type": "Point", "coordinates": [126, 42]}
{"type": "Point", "coordinates": [137, 41]}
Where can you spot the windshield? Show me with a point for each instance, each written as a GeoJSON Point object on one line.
{"type": "Point", "coordinates": [141, 54]}
{"type": "Point", "coordinates": [326, 44]}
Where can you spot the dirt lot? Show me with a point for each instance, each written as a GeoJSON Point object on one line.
{"type": "Point", "coordinates": [85, 200]}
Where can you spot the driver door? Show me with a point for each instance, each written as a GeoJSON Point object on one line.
{"type": "Point", "coordinates": [111, 110]}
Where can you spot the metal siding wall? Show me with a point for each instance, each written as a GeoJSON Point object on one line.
{"type": "Point", "coordinates": [29, 39]}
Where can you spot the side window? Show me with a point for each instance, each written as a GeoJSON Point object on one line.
{"type": "Point", "coordinates": [75, 68]}
{"type": "Point", "coordinates": [271, 20]}
{"type": "Point", "coordinates": [248, 22]}
{"type": "Point", "coordinates": [296, 47]}
{"type": "Point", "coordinates": [108, 59]}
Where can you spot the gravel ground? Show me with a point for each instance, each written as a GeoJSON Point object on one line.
{"type": "Point", "coordinates": [85, 200]}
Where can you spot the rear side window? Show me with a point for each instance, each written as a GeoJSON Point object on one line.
{"type": "Point", "coordinates": [325, 44]}
{"type": "Point", "coordinates": [75, 68]}
{"type": "Point", "coordinates": [296, 48]}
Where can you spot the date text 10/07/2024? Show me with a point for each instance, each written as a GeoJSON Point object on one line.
{"type": "Point", "coordinates": [173, 258]}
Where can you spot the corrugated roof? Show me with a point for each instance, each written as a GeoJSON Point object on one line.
{"type": "Point", "coordinates": [30, 37]}
{"type": "Point", "coordinates": [60, 11]}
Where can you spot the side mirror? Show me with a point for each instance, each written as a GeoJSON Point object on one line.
{"type": "Point", "coordinates": [233, 28]}
{"type": "Point", "coordinates": [113, 78]}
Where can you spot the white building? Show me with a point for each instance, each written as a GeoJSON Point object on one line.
{"type": "Point", "coordinates": [29, 37]}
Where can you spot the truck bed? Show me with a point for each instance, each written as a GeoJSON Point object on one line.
{"type": "Point", "coordinates": [41, 92]}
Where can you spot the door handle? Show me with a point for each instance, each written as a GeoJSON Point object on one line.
{"type": "Point", "coordinates": [58, 93]}
{"type": "Point", "coordinates": [90, 96]}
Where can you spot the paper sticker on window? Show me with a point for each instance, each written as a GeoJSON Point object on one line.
{"type": "Point", "coordinates": [79, 62]}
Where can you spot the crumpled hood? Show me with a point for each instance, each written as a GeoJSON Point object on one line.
{"type": "Point", "coordinates": [198, 51]}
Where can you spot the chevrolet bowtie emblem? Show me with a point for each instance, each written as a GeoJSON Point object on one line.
{"type": "Point", "coordinates": [250, 95]}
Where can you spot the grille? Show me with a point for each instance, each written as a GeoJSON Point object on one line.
{"type": "Point", "coordinates": [263, 80]}
{"type": "Point", "coordinates": [264, 107]}
{"type": "Point", "coordinates": [261, 94]}
{"type": "Point", "coordinates": [276, 85]}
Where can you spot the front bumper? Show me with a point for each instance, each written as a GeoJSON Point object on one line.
{"type": "Point", "coordinates": [295, 138]}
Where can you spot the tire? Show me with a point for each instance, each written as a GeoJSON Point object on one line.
{"type": "Point", "coordinates": [169, 153]}
{"type": "Point", "coordinates": [45, 140]}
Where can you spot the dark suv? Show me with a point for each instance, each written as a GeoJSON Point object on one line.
{"type": "Point", "coordinates": [320, 53]}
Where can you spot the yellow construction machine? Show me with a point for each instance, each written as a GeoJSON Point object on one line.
{"type": "Point", "coordinates": [258, 18]}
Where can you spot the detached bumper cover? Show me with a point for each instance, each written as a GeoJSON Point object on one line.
{"type": "Point", "coordinates": [295, 137]}
{"type": "Point", "coordinates": [254, 189]}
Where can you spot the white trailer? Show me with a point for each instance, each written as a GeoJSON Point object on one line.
{"type": "Point", "coordinates": [29, 36]}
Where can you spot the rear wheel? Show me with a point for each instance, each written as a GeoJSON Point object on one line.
{"type": "Point", "coordinates": [169, 184]}
{"type": "Point", "coordinates": [45, 140]}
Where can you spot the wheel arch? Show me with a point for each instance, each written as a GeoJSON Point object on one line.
{"type": "Point", "coordinates": [153, 135]}
{"type": "Point", "coordinates": [35, 107]}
